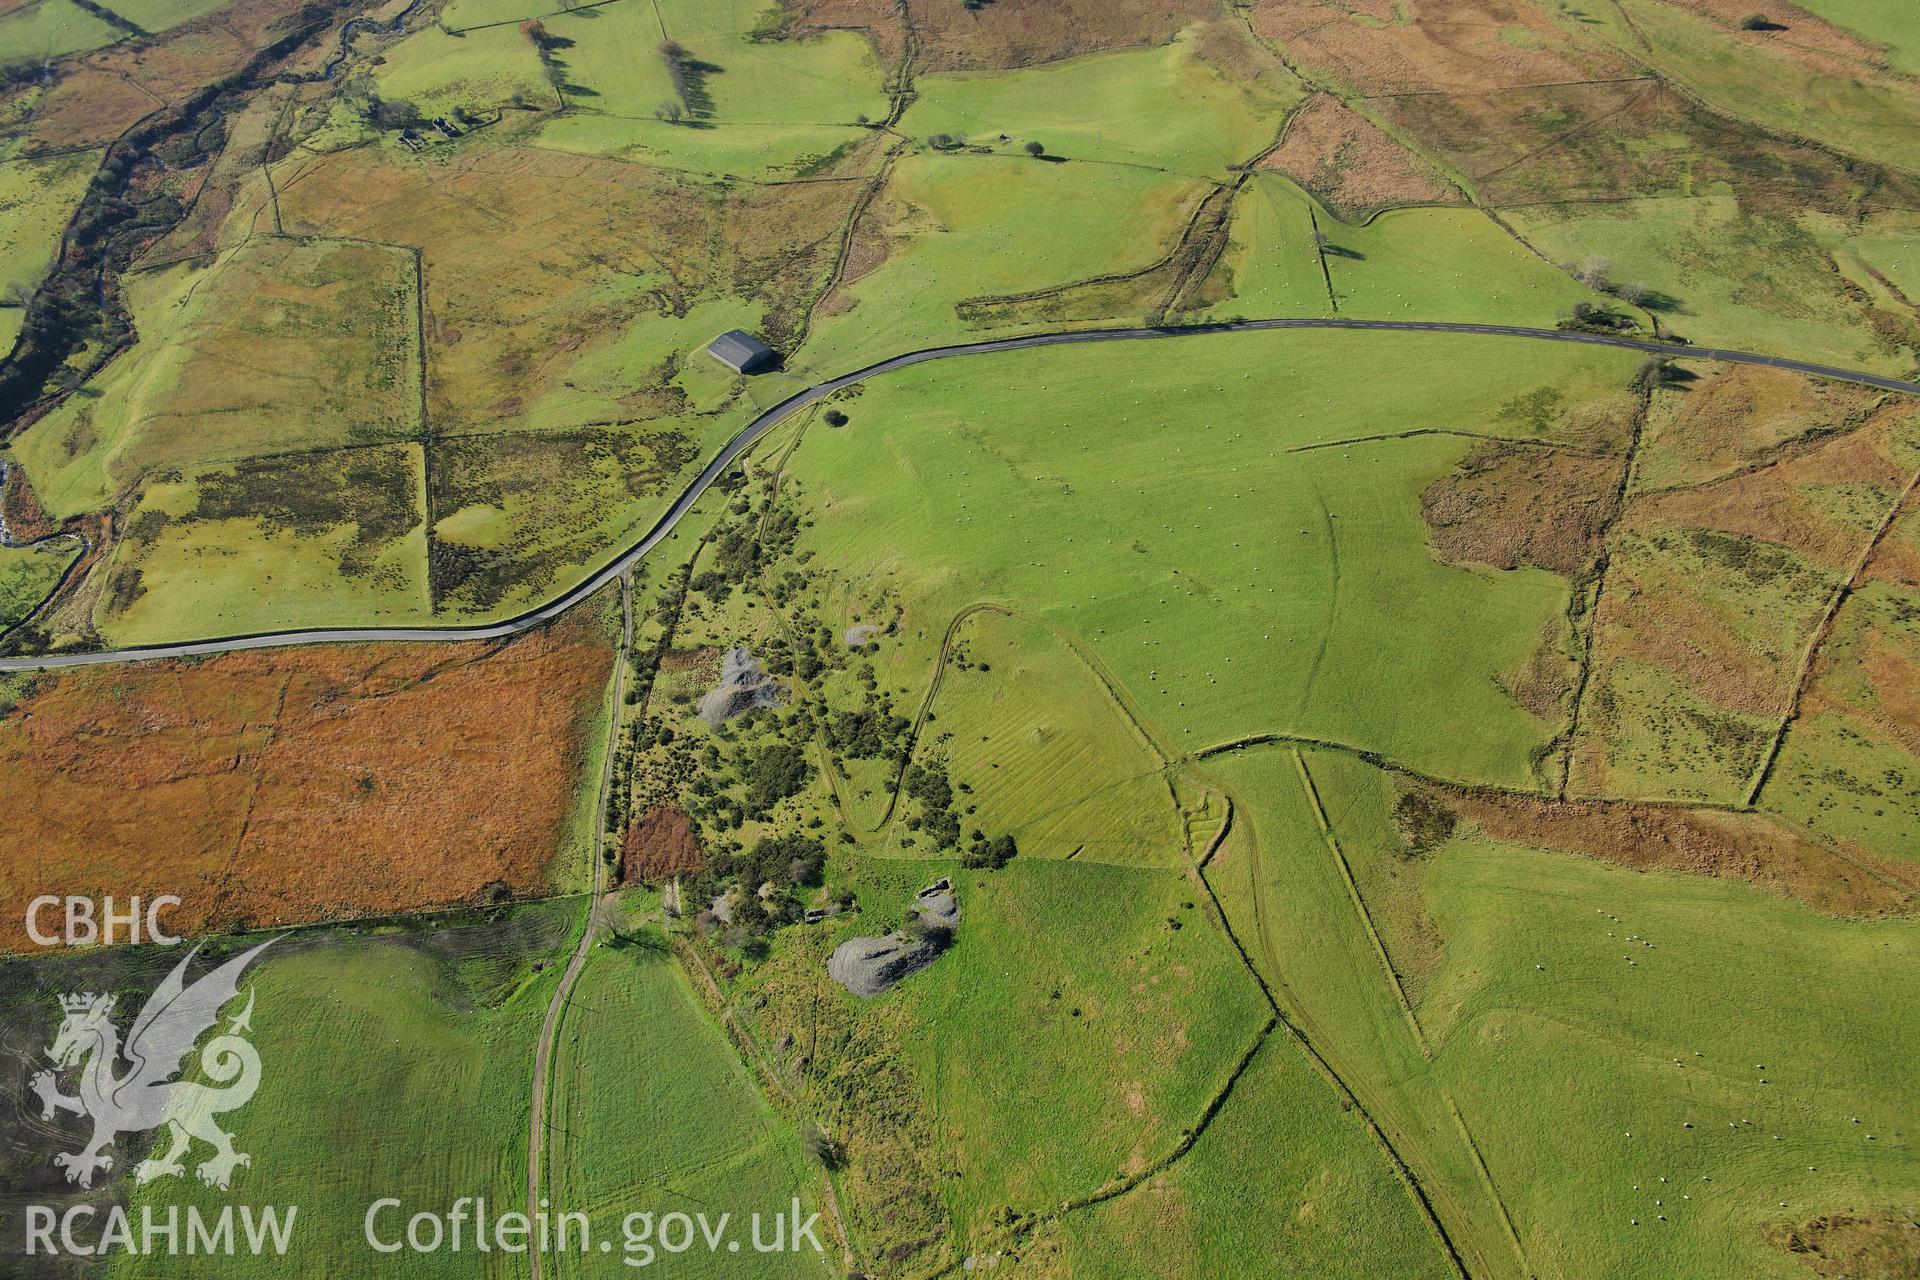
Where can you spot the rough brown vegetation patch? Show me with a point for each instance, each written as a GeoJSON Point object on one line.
{"type": "Point", "coordinates": [100, 96]}
{"type": "Point", "coordinates": [1353, 165]}
{"type": "Point", "coordinates": [1893, 673]}
{"type": "Point", "coordinates": [878, 20]}
{"type": "Point", "coordinates": [1616, 139]}
{"type": "Point", "coordinates": [1823, 500]}
{"type": "Point", "coordinates": [1425, 46]}
{"type": "Point", "coordinates": [1733, 846]}
{"type": "Point", "coordinates": [1658, 610]}
{"type": "Point", "coordinates": [1512, 505]}
{"type": "Point", "coordinates": [517, 284]}
{"type": "Point", "coordinates": [1021, 33]}
{"type": "Point", "coordinates": [217, 187]}
{"type": "Point", "coordinates": [320, 783]}
{"type": "Point", "coordinates": [659, 844]}
{"type": "Point", "coordinates": [1721, 586]}
{"type": "Point", "coordinates": [26, 519]}
{"type": "Point", "coordinates": [1545, 682]}
{"type": "Point", "coordinates": [1808, 39]}
{"type": "Point", "coordinates": [1879, 1246]}
{"type": "Point", "coordinates": [1897, 558]}
{"type": "Point", "coordinates": [1006, 33]}
{"type": "Point", "coordinates": [1731, 416]}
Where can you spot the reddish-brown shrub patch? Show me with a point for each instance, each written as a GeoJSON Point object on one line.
{"type": "Point", "coordinates": [303, 784]}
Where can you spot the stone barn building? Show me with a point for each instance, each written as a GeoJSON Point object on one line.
{"type": "Point", "coordinates": [741, 352]}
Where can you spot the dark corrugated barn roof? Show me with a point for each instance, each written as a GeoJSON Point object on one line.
{"type": "Point", "coordinates": [740, 351]}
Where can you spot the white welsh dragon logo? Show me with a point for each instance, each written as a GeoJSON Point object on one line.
{"type": "Point", "coordinates": [145, 1096]}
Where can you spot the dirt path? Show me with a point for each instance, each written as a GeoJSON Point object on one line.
{"type": "Point", "coordinates": [589, 934]}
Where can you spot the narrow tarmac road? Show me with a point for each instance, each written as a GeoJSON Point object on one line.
{"type": "Point", "coordinates": [768, 419]}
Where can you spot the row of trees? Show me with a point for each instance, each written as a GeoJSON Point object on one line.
{"type": "Point", "coordinates": [688, 76]}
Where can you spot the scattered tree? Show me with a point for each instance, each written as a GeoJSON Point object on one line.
{"type": "Point", "coordinates": [1036, 149]}
{"type": "Point", "coordinates": [820, 1146]}
{"type": "Point", "coordinates": [396, 115]}
{"type": "Point", "coordinates": [988, 855]}
{"type": "Point", "coordinates": [781, 770]}
{"type": "Point", "coordinates": [1655, 372]}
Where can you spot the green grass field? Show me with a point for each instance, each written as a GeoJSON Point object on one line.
{"type": "Point", "coordinates": [285, 345]}
{"type": "Point", "coordinates": [375, 1050]}
{"type": "Point", "coordinates": [1574, 1071]}
{"type": "Point", "coordinates": [37, 198]}
{"type": "Point", "coordinates": [1283, 1182]}
{"type": "Point", "coordinates": [1444, 264]}
{"type": "Point", "coordinates": [1049, 756]}
{"type": "Point", "coordinates": [1868, 115]}
{"type": "Point", "coordinates": [954, 227]}
{"type": "Point", "coordinates": [1082, 1023]}
{"type": "Point", "coordinates": [1156, 511]}
{"type": "Point", "coordinates": [1285, 894]}
{"type": "Point", "coordinates": [478, 70]}
{"type": "Point", "coordinates": [1890, 246]}
{"type": "Point", "coordinates": [1757, 281]}
{"type": "Point", "coordinates": [27, 574]}
{"type": "Point", "coordinates": [1085, 1019]}
{"type": "Point", "coordinates": [751, 108]}
{"type": "Point", "coordinates": [1271, 266]}
{"type": "Point", "coordinates": [1884, 21]}
{"type": "Point", "coordinates": [51, 28]}
{"type": "Point", "coordinates": [757, 152]}
{"type": "Point", "coordinates": [828, 80]}
{"type": "Point", "coordinates": [1169, 107]}
{"type": "Point", "coordinates": [280, 543]}
{"type": "Point", "coordinates": [1426, 264]}
{"type": "Point", "coordinates": [470, 15]}
{"type": "Point", "coordinates": [42, 29]}
{"type": "Point", "coordinates": [653, 1112]}
{"type": "Point", "coordinates": [1778, 1038]}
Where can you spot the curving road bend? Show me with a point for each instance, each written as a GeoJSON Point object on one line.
{"type": "Point", "coordinates": [768, 419]}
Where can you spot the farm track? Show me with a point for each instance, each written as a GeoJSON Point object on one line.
{"type": "Point", "coordinates": [1317, 1047]}
{"type": "Point", "coordinates": [768, 419]}
{"type": "Point", "coordinates": [538, 1124]}
{"type": "Point", "coordinates": [1394, 1141]}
